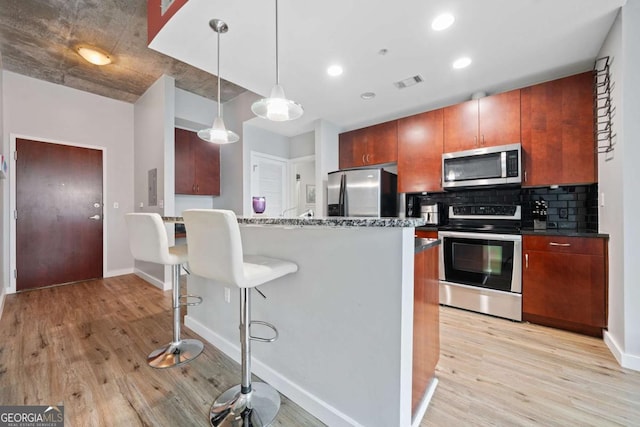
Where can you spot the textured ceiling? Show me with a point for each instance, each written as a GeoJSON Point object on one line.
{"type": "Point", "coordinates": [38, 37]}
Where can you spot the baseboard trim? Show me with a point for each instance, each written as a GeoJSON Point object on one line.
{"type": "Point", "coordinates": [628, 361]}
{"type": "Point", "coordinates": [424, 403]}
{"type": "Point", "coordinates": [121, 272]}
{"type": "Point", "coordinates": [308, 401]}
{"type": "Point", "coordinates": [153, 280]}
{"type": "Point", "coordinates": [3, 295]}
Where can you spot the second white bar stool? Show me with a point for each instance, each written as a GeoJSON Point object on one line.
{"type": "Point", "coordinates": [149, 242]}
{"type": "Point", "coordinates": [215, 252]}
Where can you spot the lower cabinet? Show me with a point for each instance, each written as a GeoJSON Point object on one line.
{"type": "Point", "coordinates": [427, 234]}
{"type": "Point", "coordinates": [564, 282]}
{"type": "Point", "coordinates": [426, 322]}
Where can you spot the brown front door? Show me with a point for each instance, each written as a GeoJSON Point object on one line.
{"type": "Point", "coordinates": [59, 214]}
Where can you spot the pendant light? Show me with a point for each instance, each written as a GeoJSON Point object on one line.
{"type": "Point", "coordinates": [277, 107]}
{"type": "Point", "coordinates": [218, 133]}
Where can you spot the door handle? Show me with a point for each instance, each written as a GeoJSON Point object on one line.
{"type": "Point", "coordinates": [566, 245]}
{"type": "Point", "coordinates": [526, 260]}
{"type": "Point", "coordinates": [96, 217]}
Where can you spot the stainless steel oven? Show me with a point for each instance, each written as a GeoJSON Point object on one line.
{"type": "Point", "coordinates": [482, 271]}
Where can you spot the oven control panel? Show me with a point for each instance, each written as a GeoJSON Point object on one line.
{"type": "Point", "coordinates": [502, 210]}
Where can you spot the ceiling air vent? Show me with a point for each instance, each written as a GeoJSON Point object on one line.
{"type": "Point", "coordinates": [409, 81]}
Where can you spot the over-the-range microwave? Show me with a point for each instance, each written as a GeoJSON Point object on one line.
{"type": "Point", "coordinates": [481, 167]}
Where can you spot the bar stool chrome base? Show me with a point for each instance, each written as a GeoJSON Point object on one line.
{"type": "Point", "coordinates": [175, 354]}
{"type": "Point", "coordinates": [257, 408]}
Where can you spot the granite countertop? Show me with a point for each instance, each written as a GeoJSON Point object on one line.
{"type": "Point", "coordinates": [422, 244]}
{"type": "Point", "coordinates": [562, 232]}
{"type": "Point", "coordinates": [324, 222]}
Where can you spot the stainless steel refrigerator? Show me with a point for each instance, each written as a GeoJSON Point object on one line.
{"type": "Point", "coordinates": [362, 193]}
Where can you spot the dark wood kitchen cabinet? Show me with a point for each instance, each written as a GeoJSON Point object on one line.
{"type": "Point", "coordinates": [372, 145]}
{"type": "Point", "coordinates": [564, 282]}
{"type": "Point", "coordinates": [420, 142]}
{"type": "Point", "coordinates": [557, 132]}
{"type": "Point", "coordinates": [197, 165]}
{"type": "Point", "coordinates": [426, 322]}
{"type": "Point", "coordinates": [485, 122]}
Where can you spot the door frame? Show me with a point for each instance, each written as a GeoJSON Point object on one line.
{"type": "Point", "coordinates": [253, 157]}
{"type": "Point", "coordinates": [12, 201]}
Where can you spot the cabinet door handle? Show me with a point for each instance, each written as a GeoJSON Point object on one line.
{"type": "Point", "coordinates": [197, 188]}
{"type": "Point", "coordinates": [525, 176]}
{"type": "Point", "coordinates": [565, 245]}
{"type": "Point", "coordinates": [363, 160]}
{"type": "Point", "coordinates": [367, 158]}
{"type": "Point", "coordinates": [526, 260]}
{"type": "Point", "coordinates": [482, 139]}
{"type": "Point", "coordinates": [193, 188]}
{"type": "Point", "coordinates": [475, 140]}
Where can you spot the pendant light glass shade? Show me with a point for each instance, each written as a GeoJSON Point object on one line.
{"type": "Point", "coordinates": [218, 133]}
{"type": "Point", "coordinates": [277, 107]}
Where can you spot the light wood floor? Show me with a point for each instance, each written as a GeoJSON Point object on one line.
{"type": "Point", "coordinates": [85, 344]}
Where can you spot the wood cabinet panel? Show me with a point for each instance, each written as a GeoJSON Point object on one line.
{"type": "Point", "coordinates": [382, 143]}
{"type": "Point", "coordinates": [489, 121]}
{"type": "Point", "coordinates": [461, 126]}
{"type": "Point", "coordinates": [420, 145]}
{"type": "Point", "coordinates": [372, 145]}
{"type": "Point", "coordinates": [499, 119]}
{"type": "Point", "coordinates": [557, 132]}
{"type": "Point", "coordinates": [426, 322]}
{"type": "Point", "coordinates": [184, 170]}
{"type": "Point", "coordinates": [562, 244]}
{"type": "Point", "coordinates": [564, 289]}
{"type": "Point", "coordinates": [197, 165]}
{"type": "Point", "coordinates": [427, 234]}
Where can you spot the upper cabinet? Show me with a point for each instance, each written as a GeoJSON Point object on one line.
{"type": "Point", "coordinates": [485, 122]}
{"type": "Point", "coordinates": [372, 145]}
{"type": "Point", "coordinates": [420, 142]}
{"type": "Point", "coordinates": [197, 165]}
{"type": "Point", "coordinates": [557, 132]}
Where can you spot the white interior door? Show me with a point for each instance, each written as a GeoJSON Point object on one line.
{"type": "Point", "coordinates": [269, 179]}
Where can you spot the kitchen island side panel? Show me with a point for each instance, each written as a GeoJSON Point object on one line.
{"type": "Point", "coordinates": [345, 320]}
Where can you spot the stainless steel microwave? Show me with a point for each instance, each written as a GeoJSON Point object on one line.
{"type": "Point", "coordinates": [481, 167]}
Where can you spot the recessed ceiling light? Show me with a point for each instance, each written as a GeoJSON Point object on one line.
{"type": "Point", "coordinates": [368, 95]}
{"type": "Point", "coordinates": [461, 63]}
{"type": "Point", "coordinates": [93, 55]}
{"type": "Point", "coordinates": [442, 22]}
{"type": "Point", "coordinates": [334, 70]}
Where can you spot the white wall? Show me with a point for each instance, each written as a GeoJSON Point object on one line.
{"type": "Point", "coordinates": [303, 145]}
{"type": "Point", "coordinates": [631, 178]}
{"type": "Point", "coordinates": [327, 150]}
{"type": "Point", "coordinates": [154, 114]}
{"type": "Point", "coordinates": [618, 177]}
{"type": "Point", "coordinates": [39, 110]}
{"type": "Point", "coordinates": [4, 197]}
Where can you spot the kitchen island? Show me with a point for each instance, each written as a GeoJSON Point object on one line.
{"type": "Point", "coordinates": [346, 318]}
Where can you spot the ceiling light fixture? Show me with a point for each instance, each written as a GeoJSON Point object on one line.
{"type": "Point", "coordinates": [334, 70]}
{"type": "Point", "coordinates": [442, 22]}
{"type": "Point", "coordinates": [461, 63]}
{"type": "Point", "coordinates": [94, 55]}
{"type": "Point", "coordinates": [218, 133]}
{"type": "Point", "coordinates": [277, 107]}
{"type": "Point", "coordinates": [367, 95]}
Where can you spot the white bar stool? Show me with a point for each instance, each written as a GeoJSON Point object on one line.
{"type": "Point", "coordinates": [215, 252]}
{"type": "Point", "coordinates": [149, 242]}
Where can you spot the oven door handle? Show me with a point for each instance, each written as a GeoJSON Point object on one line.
{"type": "Point", "coordinates": [481, 236]}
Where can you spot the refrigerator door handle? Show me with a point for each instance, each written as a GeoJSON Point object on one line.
{"type": "Point", "coordinates": [342, 195]}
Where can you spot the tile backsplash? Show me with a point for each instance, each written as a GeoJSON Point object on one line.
{"type": "Point", "coordinates": [572, 207]}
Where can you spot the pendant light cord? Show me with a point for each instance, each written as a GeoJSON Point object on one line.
{"type": "Point", "coordinates": [277, 67]}
{"type": "Point", "coordinates": [219, 103]}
